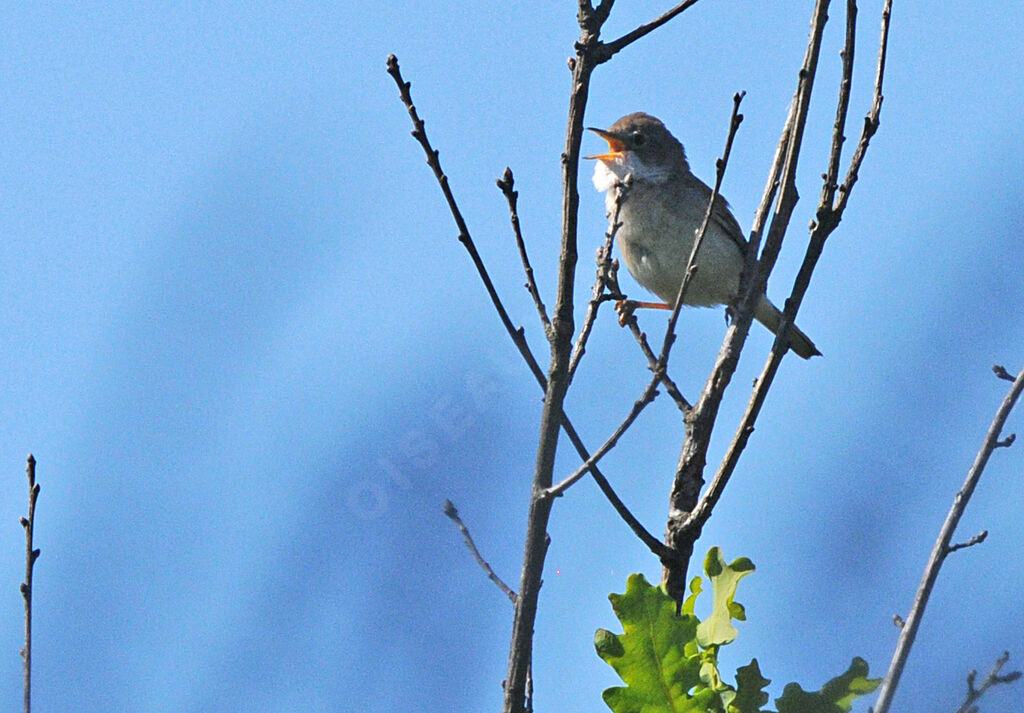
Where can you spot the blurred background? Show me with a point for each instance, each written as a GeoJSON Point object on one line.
{"type": "Point", "coordinates": [252, 360]}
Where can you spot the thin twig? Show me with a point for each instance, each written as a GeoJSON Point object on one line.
{"type": "Point", "coordinates": [608, 49]}
{"type": "Point", "coordinates": [994, 678]}
{"type": "Point", "coordinates": [507, 185]}
{"type": "Point", "coordinates": [871, 121]}
{"type": "Point", "coordinates": [1001, 373]}
{"type": "Point", "coordinates": [652, 359]}
{"type": "Point", "coordinates": [691, 264]}
{"type": "Point", "coordinates": [830, 176]}
{"type": "Point", "coordinates": [453, 514]}
{"type": "Point", "coordinates": [419, 133]}
{"type": "Point", "coordinates": [604, 266]}
{"type": "Point", "coordinates": [942, 548]}
{"type": "Point", "coordinates": [31, 555]}
{"type": "Point", "coordinates": [639, 405]}
{"type": "Point", "coordinates": [976, 540]}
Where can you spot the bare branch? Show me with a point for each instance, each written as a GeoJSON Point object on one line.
{"type": "Point", "coordinates": [871, 121]}
{"type": "Point", "coordinates": [552, 414]}
{"type": "Point", "coordinates": [942, 547]}
{"type": "Point", "coordinates": [829, 216]}
{"type": "Point", "coordinates": [609, 49]}
{"type": "Point", "coordinates": [976, 540]}
{"type": "Point", "coordinates": [453, 514]}
{"type": "Point", "coordinates": [419, 133]}
{"type": "Point", "coordinates": [31, 555]}
{"type": "Point", "coordinates": [516, 333]}
{"type": "Point", "coordinates": [652, 359]}
{"type": "Point", "coordinates": [647, 397]}
{"type": "Point", "coordinates": [1001, 372]}
{"type": "Point", "coordinates": [683, 528]}
{"type": "Point", "coordinates": [691, 264]}
{"type": "Point", "coordinates": [994, 678]}
{"type": "Point", "coordinates": [829, 178]}
{"type": "Point", "coordinates": [700, 514]}
{"type": "Point", "coordinates": [604, 266]}
{"type": "Point", "coordinates": [507, 185]}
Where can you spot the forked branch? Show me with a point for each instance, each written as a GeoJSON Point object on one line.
{"type": "Point", "coordinates": [609, 49]}
{"type": "Point", "coordinates": [555, 383]}
{"type": "Point", "coordinates": [687, 525]}
{"type": "Point", "coordinates": [516, 333]}
{"type": "Point", "coordinates": [943, 548]}
{"type": "Point", "coordinates": [829, 216]}
{"type": "Point", "coordinates": [689, 476]}
{"type": "Point", "coordinates": [994, 678]}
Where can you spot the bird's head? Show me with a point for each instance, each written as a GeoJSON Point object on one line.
{"type": "Point", "coordinates": [640, 145]}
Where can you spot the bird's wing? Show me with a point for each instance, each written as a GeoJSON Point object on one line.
{"type": "Point", "coordinates": [722, 216]}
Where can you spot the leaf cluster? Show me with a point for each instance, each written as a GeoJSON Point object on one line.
{"type": "Point", "coordinates": [668, 658]}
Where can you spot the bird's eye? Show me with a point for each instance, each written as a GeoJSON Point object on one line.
{"type": "Point", "coordinates": [638, 138]}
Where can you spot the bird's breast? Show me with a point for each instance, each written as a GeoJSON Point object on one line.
{"type": "Point", "coordinates": [656, 237]}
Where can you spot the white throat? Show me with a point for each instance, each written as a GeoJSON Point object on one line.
{"type": "Point", "coordinates": [607, 174]}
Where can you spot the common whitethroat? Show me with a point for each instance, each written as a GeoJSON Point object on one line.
{"type": "Point", "coordinates": [659, 219]}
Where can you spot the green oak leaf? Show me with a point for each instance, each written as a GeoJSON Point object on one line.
{"type": "Point", "coordinates": [750, 684]}
{"type": "Point", "coordinates": [631, 700]}
{"type": "Point", "coordinates": [656, 655]}
{"type": "Point", "coordinates": [836, 696]}
{"type": "Point", "coordinates": [690, 601]}
{"type": "Point", "coordinates": [717, 629]}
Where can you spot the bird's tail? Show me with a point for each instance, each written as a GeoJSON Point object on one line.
{"type": "Point", "coordinates": [770, 316]}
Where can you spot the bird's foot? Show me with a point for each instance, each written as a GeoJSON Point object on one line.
{"type": "Point", "coordinates": [625, 308]}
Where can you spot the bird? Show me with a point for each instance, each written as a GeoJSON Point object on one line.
{"type": "Point", "coordinates": [660, 215]}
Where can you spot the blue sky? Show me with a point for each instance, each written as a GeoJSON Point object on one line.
{"type": "Point", "coordinates": [252, 360]}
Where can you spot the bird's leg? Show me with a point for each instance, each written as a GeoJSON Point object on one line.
{"type": "Point", "coordinates": [625, 308]}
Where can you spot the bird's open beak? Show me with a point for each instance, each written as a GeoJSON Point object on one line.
{"type": "Point", "coordinates": [615, 147]}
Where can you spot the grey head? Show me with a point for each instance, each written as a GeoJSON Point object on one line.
{"type": "Point", "coordinates": [640, 144]}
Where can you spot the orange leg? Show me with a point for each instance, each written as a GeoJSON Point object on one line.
{"type": "Point", "coordinates": [625, 308]}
